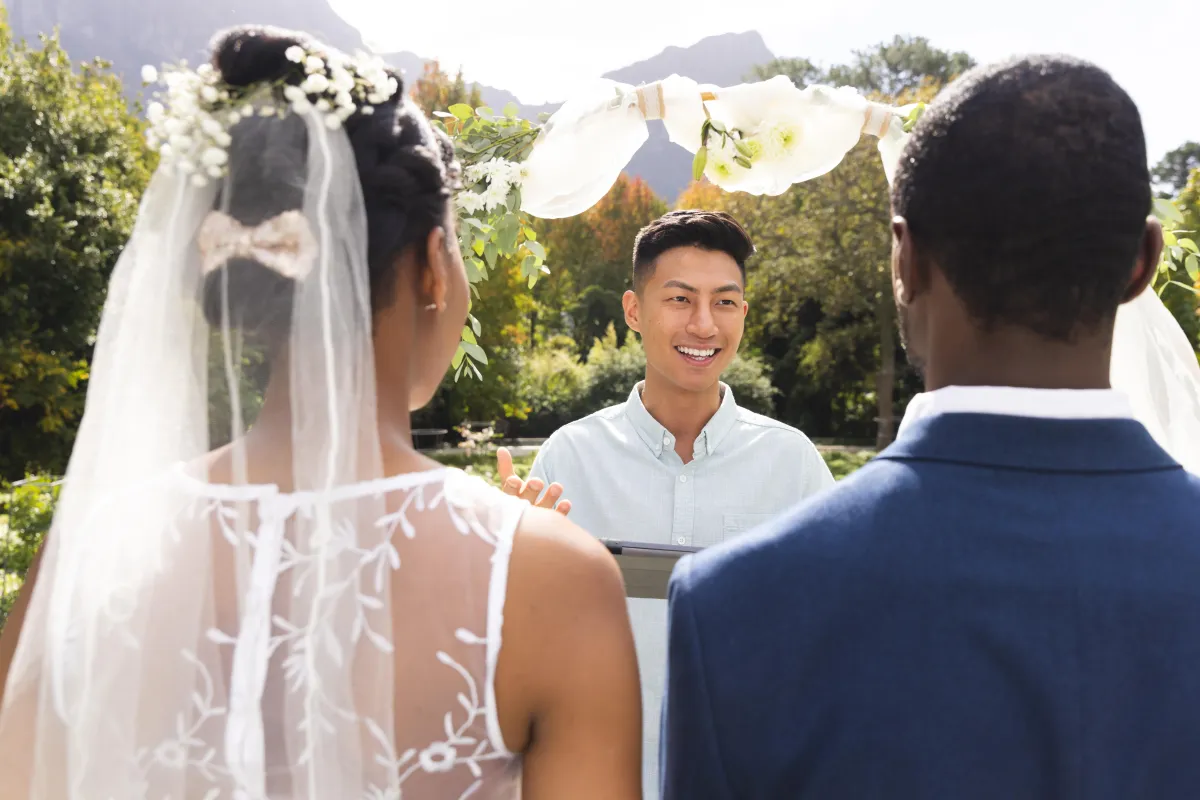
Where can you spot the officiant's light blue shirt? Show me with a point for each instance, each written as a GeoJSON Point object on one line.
{"type": "Point", "coordinates": [625, 481]}
{"type": "Point", "coordinates": [619, 469]}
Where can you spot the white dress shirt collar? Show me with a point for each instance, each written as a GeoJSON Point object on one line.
{"type": "Point", "coordinates": [1019, 402]}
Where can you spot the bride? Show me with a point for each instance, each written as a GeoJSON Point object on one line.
{"type": "Point", "coordinates": [289, 601]}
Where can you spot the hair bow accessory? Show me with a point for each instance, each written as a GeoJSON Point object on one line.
{"type": "Point", "coordinates": [283, 244]}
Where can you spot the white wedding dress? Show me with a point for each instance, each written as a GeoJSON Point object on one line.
{"type": "Point", "coordinates": [228, 720]}
{"type": "Point", "coordinates": [437, 542]}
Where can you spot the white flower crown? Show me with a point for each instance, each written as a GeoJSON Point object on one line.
{"type": "Point", "coordinates": [190, 127]}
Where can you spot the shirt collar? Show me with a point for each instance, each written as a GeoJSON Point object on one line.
{"type": "Point", "coordinates": [658, 438]}
{"type": "Point", "coordinates": [1019, 402]}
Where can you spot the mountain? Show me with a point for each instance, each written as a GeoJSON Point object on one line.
{"type": "Point", "coordinates": [131, 34]}
{"type": "Point", "coordinates": [159, 32]}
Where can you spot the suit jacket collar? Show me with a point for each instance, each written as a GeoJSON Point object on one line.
{"type": "Point", "coordinates": [1024, 443]}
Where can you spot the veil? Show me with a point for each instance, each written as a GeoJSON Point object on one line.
{"type": "Point", "coordinates": [158, 648]}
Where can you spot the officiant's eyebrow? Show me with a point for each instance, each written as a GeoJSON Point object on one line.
{"type": "Point", "coordinates": [687, 287]}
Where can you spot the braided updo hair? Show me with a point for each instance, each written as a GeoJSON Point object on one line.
{"type": "Point", "coordinates": [406, 168]}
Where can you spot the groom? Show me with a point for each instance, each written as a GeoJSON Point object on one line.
{"type": "Point", "coordinates": [1006, 602]}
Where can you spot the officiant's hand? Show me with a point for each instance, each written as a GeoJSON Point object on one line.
{"type": "Point", "coordinates": [529, 490]}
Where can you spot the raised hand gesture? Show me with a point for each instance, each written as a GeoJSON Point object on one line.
{"type": "Point", "coordinates": [531, 489]}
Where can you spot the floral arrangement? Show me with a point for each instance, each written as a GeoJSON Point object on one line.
{"type": "Point", "coordinates": [492, 229]}
{"type": "Point", "coordinates": [189, 125]}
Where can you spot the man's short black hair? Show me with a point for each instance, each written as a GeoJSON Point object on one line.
{"type": "Point", "coordinates": [1027, 183]}
{"type": "Point", "coordinates": [708, 230]}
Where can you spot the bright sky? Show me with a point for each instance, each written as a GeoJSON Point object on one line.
{"type": "Point", "coordinates": [539, 51]}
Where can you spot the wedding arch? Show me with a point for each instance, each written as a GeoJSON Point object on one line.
{"type": "Point", "coordinates": [759, 138]}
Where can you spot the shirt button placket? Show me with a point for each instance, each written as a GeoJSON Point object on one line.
{"type": "Point", "coordinates": [685, 507]}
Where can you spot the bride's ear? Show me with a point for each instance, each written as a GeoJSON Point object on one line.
{"type": "Point", "coordinates": [435, 271]}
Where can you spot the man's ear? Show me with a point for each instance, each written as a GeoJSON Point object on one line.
{"type": "Point", "coordinates": [632, 305]}
{"type": "Point", "coordinates": [1149, 255]}
{"type": "Point", "coordinates": [436, 270]}
{"type": "Point", "coordinates": [909, 278]}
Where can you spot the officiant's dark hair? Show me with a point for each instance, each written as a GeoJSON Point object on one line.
{"type": "Point", "coordinates": [708, 230]}
{"type": "Point", "coordinates": [1027, 183]}
{"type": "Point", "coordinates": [406, 168]}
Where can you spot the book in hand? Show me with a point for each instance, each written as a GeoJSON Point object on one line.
{"type": "Point", "coordinates": [647, 567]}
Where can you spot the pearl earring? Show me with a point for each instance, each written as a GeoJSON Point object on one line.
{"type": "Point", "coordinates": [432, 307]}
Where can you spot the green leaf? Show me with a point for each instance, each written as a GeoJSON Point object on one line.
{"type": "Point", "coordinates": [511, 110]}
{"type": "Point", "coordinates": [537, 249]}
{"type": "Point", "coordinates": [742, 162]}
{"type": "Point", "coordinates": [474, 323]}
{"type": "Point", "coordinates": [1192, 265]}
{"type": "Point", "coordinates": [1188, 244]}
{"type": "Point", "coordinates": [530, 234]}
{"type": "Point", "coordinates": [442, 114]}
{"type": "Point", "coordinates": [513, 201]}
{"type": "Point", "coordinates": [485, 113]}
{"type": "Point", "coordinates": [1176, 253]}
{"type": "Point", "coordinates": [1169, 238]}
{"type": "Point", "coordinates": [1166, 211]}
{"type": "Point", "coordinates": [475, 352]}
{"type": "Point", "coordinates": [533, 279]}
{"type": "Point", "coordinates": [475, 271]}
{"type": "Point", "coordinates": [699, 163]}
{"type": "Point", "coordinates": [506, 234]}
{"type": "Point", "coordinates": [456, 362]}
{"type": "Point", "coordinates": [462, 111]}
{"type": "Point", "coordinates": [468, 335]}
{"type": "Point", "coordinates": [477, 246]}
{"type": "Point", "coordinates": [529, 265]}
{"type": "Point", "coordinates": [489, 254]}
{"type": "Point", "coordinates": [718, 126]}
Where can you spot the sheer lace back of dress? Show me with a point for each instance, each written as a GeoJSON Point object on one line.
{"type": "Point", "coordinates": [244, 715]}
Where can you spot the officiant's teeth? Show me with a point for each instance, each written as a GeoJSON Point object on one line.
{"type": "Point", "coordinates": [694, 353]}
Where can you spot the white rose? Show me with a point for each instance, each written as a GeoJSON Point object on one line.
{"type": "Point", "coordinates": [209, 94]}
{"type": "Point", "coordinates": [301, 106]}
{"type": "Point", "coordinates": [293, 93]}
{"type": "Point", "coordinates": [314, 64]}
{"type": "Point", "coordinates": [324, 105]}
{"type": "Point", "coordinates": [149, 74]}
{"type": "Point", "coordinates": [333, 121]}
{"type": "Point", "coordinates": [295, 54]}
{"type": "Point", "coordinates": [155, 112]}
{"type": "Point", "coordinates": [214, 157]}
{"type": "Point", "coordinates": [315, 84]}
{"type": "Point", "coordinates": [223, 139]}
{"type": "Point", "coordinates": [211, 127]}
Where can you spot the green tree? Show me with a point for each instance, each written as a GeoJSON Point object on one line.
{"type": "Point", "coordinates": [1175, 167]}
{"type": "Point", "coordinates": [436, 91]}
{"type": "Point", "coordinates": [592, 261]}
{"type": "Point", "coordinates": [73, 165]}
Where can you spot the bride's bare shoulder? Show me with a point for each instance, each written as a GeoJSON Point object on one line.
{"type": "Point", "coordinates": [552, 554]}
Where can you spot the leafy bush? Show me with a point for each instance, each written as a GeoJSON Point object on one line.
{"type": "Point", "coordinates": [26, 510]}
{"type": "Point", "coordinates": [552, 384]}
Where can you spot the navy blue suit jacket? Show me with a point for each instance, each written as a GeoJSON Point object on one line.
{"type": "Point", "coordinates": [996, 607]}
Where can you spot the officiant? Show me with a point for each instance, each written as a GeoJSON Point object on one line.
{"type": "Point", "coordinates": [679, 465]}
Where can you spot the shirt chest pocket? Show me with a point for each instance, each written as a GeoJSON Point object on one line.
{"type": "Point", "coordinates": [734, 524]}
